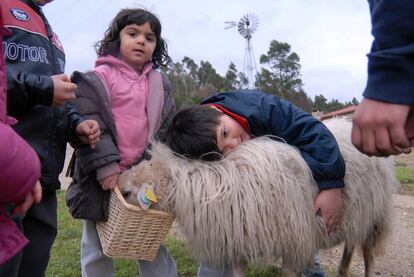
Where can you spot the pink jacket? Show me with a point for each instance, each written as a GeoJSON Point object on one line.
{"type": "Point", "coordinates": [19, 169]}
{"type": "Point", "coordinates": [128, 94]}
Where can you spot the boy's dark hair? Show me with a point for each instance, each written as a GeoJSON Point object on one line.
{"type": "Point", "coordinates": [109, 45]}
{"type": "Point", "coordinates": [192, 133]}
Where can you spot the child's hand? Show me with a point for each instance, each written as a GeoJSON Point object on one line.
{"type": "Point", "coordinates": [109, 182]}
{"type": "Point", "coordinates": [329, 204]}
{"type": "Point", "coordinates": [33, 196]}
{"type": "Point", "coordinates": [88, 131]}
{"type": "Point", "coordinates": [63, 90]}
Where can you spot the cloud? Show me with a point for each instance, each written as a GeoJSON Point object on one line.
{"type": "Point", "coordinates": [330, 37]}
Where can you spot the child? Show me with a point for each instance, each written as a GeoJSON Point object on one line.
{"type": "Point", "coordinates": [132, 103]}
{"type": "Point", "coordinates": [16, 156]}
{"type": "Point", "coordinates": [37, 95]}
{"type": "Point", "coordinates": [223, 121]}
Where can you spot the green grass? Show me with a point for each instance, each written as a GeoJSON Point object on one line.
{"type": "Point", "coordinates": [405, 176]}
{"type": "Point", "coordinates": [65, 256]}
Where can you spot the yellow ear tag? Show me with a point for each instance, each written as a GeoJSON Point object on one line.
{"type": "Point", "coordinates": [146, 196]}
{"type": "Point", "coordinates": [149, 193]}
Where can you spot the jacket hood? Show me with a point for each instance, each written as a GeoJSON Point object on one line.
{"type": "Point", "coordinates": [122, 66]}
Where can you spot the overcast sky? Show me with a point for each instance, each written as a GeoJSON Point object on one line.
{"type": "Point", "coordinates": [331, 38]}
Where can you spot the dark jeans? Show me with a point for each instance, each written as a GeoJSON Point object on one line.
{"type": "Point", "coordinates": [39, 225]}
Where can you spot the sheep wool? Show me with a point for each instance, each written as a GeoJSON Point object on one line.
{"type": "Point", "coordinates": [256, 204]}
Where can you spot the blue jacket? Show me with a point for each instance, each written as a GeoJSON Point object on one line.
{"type": "Point", "coordinates": [268, 115]}
{"type": "Point", "coordinates": [391, 60]}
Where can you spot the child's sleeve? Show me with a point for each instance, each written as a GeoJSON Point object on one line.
{"type": "Point", "coordinates": [90, 106]}
{"type": "Point", "coordinates": [74, 119]}
{"type": "Point", "coordinates": [24, 90]}
{"type": "Point", "coordinates": [316, 143]}
{"type": "Point", "coordinates": [19, 166]}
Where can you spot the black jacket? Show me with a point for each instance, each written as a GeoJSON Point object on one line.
{"type": "Point", "coordinates": [33, 53]}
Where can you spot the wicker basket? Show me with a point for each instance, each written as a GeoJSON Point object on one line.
{"type": "Point", "coordinates": [132, 232]}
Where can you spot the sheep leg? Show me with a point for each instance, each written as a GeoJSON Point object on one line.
{"type": "Point", "coordinates": [368, 261]}
{"type": "Point", "coordinates": [345, 263]}
{"type": "Point", "coordinates": [368, 253]}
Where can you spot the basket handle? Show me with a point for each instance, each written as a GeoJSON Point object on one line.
{"type": "Point", "coordinates": [119, 195]}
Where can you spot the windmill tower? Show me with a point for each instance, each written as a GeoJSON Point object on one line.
{"type": "Point", "coordinates": [246, 26]}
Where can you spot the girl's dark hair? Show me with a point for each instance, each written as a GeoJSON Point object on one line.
{"type": "Point", "coordinates": [109, 45]}
{"type": "Point", "coordinates": [192, 133]}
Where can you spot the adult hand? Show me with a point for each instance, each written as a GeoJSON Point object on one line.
{"type": "Point", "coordinates": [378, 128]}
{"type": "Point", "coordinates": [409, 127]}
{"type": "Point", "coordinates": [63, 91]}
{"type": "Point", "coordinates": [88, 131]}
{"type": "Point", "coordinates": [109, 182]}
{"type": "Point", "coordinates": [329, 204]}
{"type": "Point", "coordinates": [33, 196]}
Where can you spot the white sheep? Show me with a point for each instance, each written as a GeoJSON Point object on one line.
{"type": "Point", "coordinates": [256, 205]}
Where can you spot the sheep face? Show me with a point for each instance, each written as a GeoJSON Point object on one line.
{"type": "Point", "coordinates": [151, 171]}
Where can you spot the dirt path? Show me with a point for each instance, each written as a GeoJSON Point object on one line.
{"type": "Point", "coordinates": [407, 159]}
{"type": "Point", "coordinates": [399, 259]}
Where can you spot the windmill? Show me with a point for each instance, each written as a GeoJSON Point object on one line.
{"type": "Point", "coordinates": [246, 26]}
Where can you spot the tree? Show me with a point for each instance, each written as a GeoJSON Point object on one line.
{"type": "Point", "coordinates": [191, 77]}
{"type": "Point", "coordinates": [334, 105]}
{"type": "Point", "coordinates": [176, 74]}
{"type": "Point", "coordinates": [207, 75]}
{"type": "Point", "coordinates": [191, 82]}
{"type": "Point", "coordinates": [301, 100]}
{"type": "Point", "coordinates": [284, 66]}
{"type": "Point", "coordinates": [267, 83]}
{"type": "Point", "coordinates": [282, 75]}
{"type": "Point", "coordinates": [319, 103]}
{"type": "Point", "coordinates": [231, 80]}
{"type": "Point", "coordinates": [355, 101]}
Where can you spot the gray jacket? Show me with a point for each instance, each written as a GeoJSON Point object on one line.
{"type": "Point", "coordinates": [85, 197]}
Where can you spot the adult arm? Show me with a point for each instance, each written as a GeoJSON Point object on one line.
{"type": "Point", "coordinates": [391, 60]}
{"type": "Point", "coordinates": [380, 123]}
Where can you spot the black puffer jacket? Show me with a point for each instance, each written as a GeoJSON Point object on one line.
{"type": "Point", "coordinates": [33, 53]}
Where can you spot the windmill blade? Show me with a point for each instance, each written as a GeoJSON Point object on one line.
{"type": "Point", "coordinates": [248, 24]}
{"type": "Point", "coordinates": [230, 24]}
